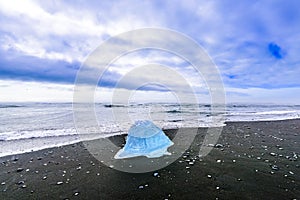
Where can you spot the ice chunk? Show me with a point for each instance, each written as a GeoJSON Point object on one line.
{"type": "Point", "coordinates": [145, 139]}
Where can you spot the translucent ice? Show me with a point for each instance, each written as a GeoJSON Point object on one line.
{"type": "Point", "coordinates": [145, 139]}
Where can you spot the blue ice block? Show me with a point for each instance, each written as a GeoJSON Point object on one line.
{"type": "Point", "coordinates": [145, 139]}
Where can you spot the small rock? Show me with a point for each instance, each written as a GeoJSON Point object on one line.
{"type": "Point", "coordinates": [14, 158]}
{"type": "Point", "coordinates": [292, 173]}
{"type": "Point", "coordinates": [20, 182]}
{"type": "Point", "coordinates": [218, 161]}
{"type": "Point", "coordinates": [59, 183]}
{"type": "Point", "coordinates": [76, 193]}
{"type": "Point", "coordinates": [3, 183]}
{"type": "Point", "coordinates": [273, 154]}
{"type": "Point", "coordinates": [275, 167]}
{"type": "Point", "coordinates": [156, 174]}
{"type": "Point", "coordinates": [24, 186]}
{"type": "Point", "coordinates": [191, 163]}
{"type": "Point", "coordinates": [141, 187]}
{"type": "Point", "coordinates": [20, 169]}
{"type": "Point", "coordinates": [219, 145]}
{"type": "Point", "coordinates": [209, 176]}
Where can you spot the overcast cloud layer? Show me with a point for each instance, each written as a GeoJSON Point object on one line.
{"type": "Point", "coordinates": [255, 44]}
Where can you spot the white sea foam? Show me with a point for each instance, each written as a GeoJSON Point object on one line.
{"type": "Point", "coordinates": [53, 123]}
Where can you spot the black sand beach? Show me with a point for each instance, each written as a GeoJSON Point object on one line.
{"type": "Point", "coordinates": [255, 160]}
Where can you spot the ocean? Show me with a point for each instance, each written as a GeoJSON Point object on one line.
{"type": "Point", "coordinates": [26, 127]}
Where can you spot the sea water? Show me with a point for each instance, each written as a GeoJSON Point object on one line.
{"type": "Point", "coordinates": [32, 126]}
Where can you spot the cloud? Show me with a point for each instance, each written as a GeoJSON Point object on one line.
{"type": "Point", "coordinates": [20, 91]}
{"type": "Point", "coordinates": [254, 44]}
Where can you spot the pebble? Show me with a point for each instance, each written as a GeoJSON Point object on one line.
{"type": "Point", "coordinates": [218, 161]}
{"type": "Point", "coordinates": [76, 193]}
{"type": "Point", "coordinates": [59, 183]}
{"type": "Point", "coordinates": [14, 158]}
{"type": "Point", "coordinates": [141, 187]}
{"type": "Point", "coordinates": [24, 186]}
{"type": "Point", "coordinates": [45, 177]}
{"type": "Point", "coordinates": [233, 161]}
{"type": "Point", "coordinates": [155, 174]}
{"type": "Point", "coordinates": [219, 145]}
{"type": "Point", "coordinates": [275, 167]}
{"type": "Point", "coordinates": [3, 183]}
{"type": "Point", "coordinates": [273, 154]}
{"type": "Point", "coordinates": [20, 169]}
{"type": "Point", "coordinates": [292, 173]}
{"type": "Point", "coordinates": [209, 176]}
{"type": "Point", "coordinates": [191, 163]}
{"type": "Point", "coordinates": [27, 170]}
{"type": "Point", "coordinates": [21, 182]}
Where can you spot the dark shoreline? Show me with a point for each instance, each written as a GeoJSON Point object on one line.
{"type": "Point", "coordinates": [258, 160]}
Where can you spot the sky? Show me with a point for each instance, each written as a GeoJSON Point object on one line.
{"type": "Point", "coordinates": [254, 44]}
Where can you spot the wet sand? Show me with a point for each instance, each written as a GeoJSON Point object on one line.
{"type": "Point", "coordinates": [255, 160]}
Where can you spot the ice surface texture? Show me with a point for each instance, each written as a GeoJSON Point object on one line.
{"type": "Point", "coordinates": [145, 139]}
